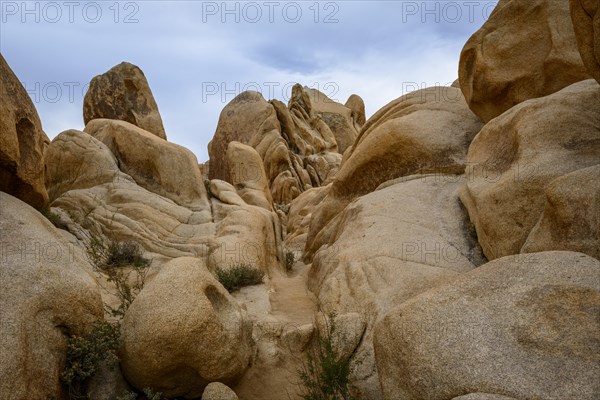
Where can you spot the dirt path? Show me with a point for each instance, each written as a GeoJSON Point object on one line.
{"type": "Point", "coordinates": [283, 313]}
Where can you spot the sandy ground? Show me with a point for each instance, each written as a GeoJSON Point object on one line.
{"type": "Point", "coordinates": [283, 311]}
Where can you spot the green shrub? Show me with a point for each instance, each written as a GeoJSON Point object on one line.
{"type": "Point", "coordinates": [85, 355]}
{"type": "Point", "coordinates": [53, 218]}
{"type": "Point", "coordinates": [111, 258]}
{"type": "Point", "coordinates": [207, 187]}
{"type": "Point", "coordinates": [238, 276]}
{"type": "Point", "coordinates": [324, 375]}
{"type": "Point", "coordinates": [149, 394]}
{"type": "Point", "coordinates": [290, 259]}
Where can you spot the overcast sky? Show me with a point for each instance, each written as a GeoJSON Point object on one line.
{"type": "Point", "coordinates": [197, 55]}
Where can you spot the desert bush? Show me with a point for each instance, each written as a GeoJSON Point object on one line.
{"type": "Point", "coordinates": [148, 393]}
{"type": "Point", "coordinates": [112, 258]}
{"type": "Point", "coordinates": [324, 375]}
{"type": "Point", "coordinates": [85, 355]}
{"type": "Point", "coordinates": [290, 259]}
{"type": "Point", "coordinates": [53, 218]}
{"type": "Point", "coordinates": [238, 276]}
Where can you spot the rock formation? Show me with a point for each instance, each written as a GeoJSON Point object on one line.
{"type": "Point", "coordinates": [123, 93]}
{"type": "Point", "coordinates": [47, 293]}
{"type": "Point", "coordinates": [526, 49]}
{"type": "Point", "coordinates": [426, 131]}
{"type": "Point", "coordinates": [184, 331]}
{"type": "Point", "coordinates": [521, 326]}
{"type": "Point", "coordinates": [516, 156]}
{"type": "Point", "coordinates": [300, 145]}
{"type": "Point", "coordinates": [586, 21]}
{"type": "Point", "coordinates": [21, 142]}
{"type": "Point", "coordinates": [453, 236]}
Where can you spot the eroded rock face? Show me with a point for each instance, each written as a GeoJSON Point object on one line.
{"type": "Point", "coordinates": [387, 247]}
{"type": "Point", "coordinates": [218, 391]}
{"type": "Point", "coordinates": [540, 341]}
{"type": "Point", "coordinates": [298, 144]}
{"type": "Point", "coordinates": [585, 15]}
{"type": "Point", "coordinates": [184, 331]}
{"type": "Point", "coordinates": [515, 158]}
{"type": "Point", "coordinates": [526, 49]}
{"type": "Point", "coordinates": [47, 293]}
{"type": "Point", "coordinates": [248, 175]}
{"type": "Point", "coordinates": [425, 131]}
{"type": "Point", "coordinates": [156, 165]}
{"type": "Point", "coordinates": [123, 93]}
{"type": "Point", "coordinates": [21, 142]}
{"type": "Point", "coordinates": [570, 217]}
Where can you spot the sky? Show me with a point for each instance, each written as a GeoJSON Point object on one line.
{"type": "Point", "coordinates": [198, 55]}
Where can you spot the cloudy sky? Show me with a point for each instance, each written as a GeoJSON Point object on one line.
{"type": "Point", "coordinates": [197, 55]}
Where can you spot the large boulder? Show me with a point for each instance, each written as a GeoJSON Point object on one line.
{"type": "Point", "coordinates": [515, 158]}
{"type": "Point", "coordinates": [426, 131]}
{"type": "Point", "coordinates": [47, 293]}
{"type": "Point", "coordinates": [405, 238]}
{"type": "Point", "coordinates": [526, 49]}
{"type": "Point", "coordinates": [586, 21]}
{"type": "Point", "coordinates": [522, 326]}
{"type": "Point", "coordinates": [298, 144]}
{"type": "Point", "coordinates": [96, 198]}
{"type": "Point", "coordinates": [184, 331]}
{"type": "Point", "coordinates": [248, 175]}
{"type": "Point", "coordinates": [123, 93]}
{"type": "Point", "coordinates": [21, 142]}
{"type": "Point", "coordinates": [246, 116]}
{"type": "Point", "coordinates": [218, 391]}
{"type": "Point", "coordinates": [570, 217]}
{"type": "Point", "coordinates": [157, 165]}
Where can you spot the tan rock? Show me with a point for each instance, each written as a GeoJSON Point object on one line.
{"type": "Point", "coordinates": [157, 165]}
{"type": "Point", "coordinates": [585, 15]}
{"type": "Point", "coordinates": [245, 234]}
{"type": "Point", "coordinates": [247, 115]}
{"type": "Point", "coordinates": [357, 105]}
{"type": "Point", "coordinates": [483, 396]}
{"type": "Point", "coordinates": [526, 49]}
{"type": "Point", "coordinates": [248, 175]}
{"type": "Point", "coordinates": [218, 391]}
{"type": "Point", "coordinates": [570, 217]}
{"type": "Point", "coordinates": [522, 326]}
{"type": "Point", "coordinates": [387, 247]}
{"type": "Point", "coordinates": [98, 199]}
{"type": "Point", "coordinates": [123, 93]}
{"type": "Point", "coordinates": [422, 132]}
{"type": "Point", "coordinates": [184, 331]}
{"type": "Point", "coordinates": [514, 159]}
{"type": "Point", "coordinates": [21, 142]}
{"type": "Point", "coordinates": [47, 293]}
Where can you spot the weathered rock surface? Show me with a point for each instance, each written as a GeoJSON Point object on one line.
{"type": "Point", "coordinates": [157, 165]}
{"type": "Point", "coordinates": [585, 15]}
{"type": "Point", "coordinates": [518, 155]}
{"type": "Point", "coordinates": [218, 391]}
{"type": "Point", "coordinates": [526, 49]}
{"type": "Point", "coordinates": [483, 396]}
{"type": "Point", "coordinates": [570, 217]}
{"type": "Point", "coordinates": [299, 144]}
{"type": "Point", "coordinates": [85, 181]}
{"type": "Point", "coordinates": [248, 175]}
{"type": "Point", "coordinates": [123, 93]}
{"type": "Point", "coordinates": [21, 142]}
{"type": "Point", "coordinates": [47, 293]}
{"type": "Point", "coordinates": [387, 247]}
{"type": "Point", "coordinates": [184, 331]}
{"type": "Point", "coordinates": [425, 131]}
{"type": "Point", "coordinates": [522, 326]}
